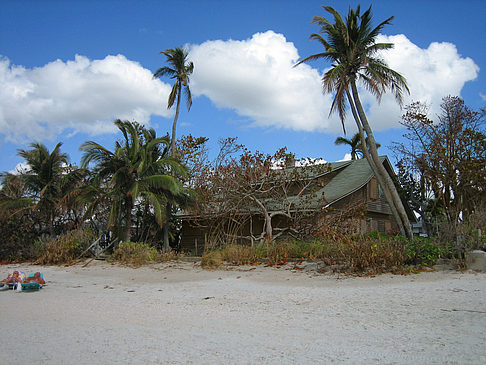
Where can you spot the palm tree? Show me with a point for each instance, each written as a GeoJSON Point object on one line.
{"type": "Point", "coordinates": [355, 144]}
{"type": "Point", "coordinates": [47, 179]}
{"type": "Point", "coordinates": [139, 170]}
{"type": "Point", "coordinates": [179, 69]}
{"type": "Point", "coordinates": [352, 49]}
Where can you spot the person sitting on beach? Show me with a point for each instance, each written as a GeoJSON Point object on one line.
{"type": "Point", "coordinates": [16, 277]}
{"type": "Point", "coordinates": [37, 278]}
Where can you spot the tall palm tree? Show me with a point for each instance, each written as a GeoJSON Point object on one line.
{"type": "Point", "coordinates": [179, 69]}
{"type": "Point", "coordinates": [351, 47]}
{"type": "Point", "coordinates": [139, 170]}
{"type": "Point", "coordinates": [355, 144]}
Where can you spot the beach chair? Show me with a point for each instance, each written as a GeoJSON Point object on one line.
{"type": "Point", "coordinates": [12, 285]}
{"type": "Point", "coordinates": [32, 286]}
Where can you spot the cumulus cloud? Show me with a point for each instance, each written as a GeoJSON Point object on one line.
{"type": "Point", "coordinates": [256, 78]}
{"type": "Point", "coordinates": [80, 95]}
{"type": "Point", "coordinates": [431, 74]}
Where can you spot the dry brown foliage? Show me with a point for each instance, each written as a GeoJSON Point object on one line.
{"type": "Point", "coordinates": [65, 248]}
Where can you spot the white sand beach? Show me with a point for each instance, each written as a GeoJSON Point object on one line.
{"type": "Point", "coordinates": [177, 313]}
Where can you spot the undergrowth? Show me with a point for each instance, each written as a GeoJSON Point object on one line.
{"type": "Point", "coordinates": [134, 254]}
{"type": "Point", "coordinates": [63, 249]}
{"type": "Point", "coordinates": [372, 253]}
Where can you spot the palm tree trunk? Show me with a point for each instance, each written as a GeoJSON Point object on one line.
{"type": "Point", "coordinates": [174, 123]}
{"type": "Point", "coordinates": [395, 198]}
{"type": "Point", "coordinates": [172, 153]}
{"type": "Point", "coordinates": [168, 212]}
{"type": "Point", "coordinates": [366, 154]}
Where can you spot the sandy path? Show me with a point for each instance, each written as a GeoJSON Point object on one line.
{"type": "Point", "coordinates": [180, 314]}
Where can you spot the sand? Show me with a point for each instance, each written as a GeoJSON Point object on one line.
{"type": "Point", "coordinates": [181, 314]}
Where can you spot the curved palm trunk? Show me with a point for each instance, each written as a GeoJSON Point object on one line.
{"type": "Point", "coordinates": [174, 123]}
{"type": "Point", "coordinates": [166, 246]}
{"type": "Point", "coordinates": [366, 154]}
{"type": "Point", "coordinates": [395, 201]}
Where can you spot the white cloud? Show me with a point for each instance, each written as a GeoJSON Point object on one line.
{"type": "Point", "coordinates": [431, 74]}
{"type": "Point", "coordinates": [483, 96]}
{"type": "Point", "coordinates": [20, 168]}
{"type": "Point", "coordinates": [256, 78]}
{"type": "Point", "coordinates": [82, 95]}
{"type": "Point", "coordinates": [347, 157]}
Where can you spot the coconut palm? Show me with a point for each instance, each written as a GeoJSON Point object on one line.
{"type": "Point", "coordinates": [139, 170]}
{"type": "Point", "coordinates": [48, 178]}
{"type": "Point", "coordinates": [351, 47]}
{"type": "Point", "coordinates": [355, 144]}
{"type": "Point", "coordinates": [179, 69]}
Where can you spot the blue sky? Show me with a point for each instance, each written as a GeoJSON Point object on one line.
{"type": "Point", "coordinates": [69, 68]}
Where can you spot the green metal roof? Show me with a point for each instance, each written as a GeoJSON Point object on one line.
{"type": "Point", "coordinates": [353, 177]}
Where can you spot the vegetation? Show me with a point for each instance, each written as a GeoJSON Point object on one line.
{"type": "Point", "coordinates": [442, 164]}
{"type": "Point", "coordinates": [63, 249]}
{"type": "Point", "coordinates": [138, 171]}
{"type": "Point", "coordinates": [179, 69]}
{"type": "Point", "coordinates": [373, 253]}
{"type": "Point", "coordinates": [134, 254]}
{"type": "Point", "coordinates": [355, 144]}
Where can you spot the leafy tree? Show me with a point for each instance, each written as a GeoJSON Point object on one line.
{"type": "Point", "coordinates": [138, 171]}
{"type": "Point", "coordinates": [179, 69]}
{"type": "Point", "coordinates": [445, 160]}
{"type": "Point", "coordinates": [19, 227]}
{"type": "Point", "coordinates": [352, 49]}
{"type": "Point", "coordinates": [254, 196]}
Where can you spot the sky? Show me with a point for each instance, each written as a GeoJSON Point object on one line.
{"type": "Point", "coordinates": [69, 68]}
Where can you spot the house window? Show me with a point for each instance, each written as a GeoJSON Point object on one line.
{"type": "Point", "coordinates": [381, 226]}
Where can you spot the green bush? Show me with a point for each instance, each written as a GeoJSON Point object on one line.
{"type": "Point", "coordinates": [134, 254]}
{"type": "Point", "coordinates": [425, 251]}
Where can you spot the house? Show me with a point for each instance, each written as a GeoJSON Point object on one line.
{"type": "Point", "coordinates": [346, 193]}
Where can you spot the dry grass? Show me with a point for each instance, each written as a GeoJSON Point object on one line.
{"type": "Point", "coordinates": [211, 260]}
{"type": "Point", "coordinates": [238, 254]}
{"type": "Point", "coordinates": [166, 256]}
{"type": "Point", "coordinates": [371, 253]}
{"type": "Point", "coordinates": [134, 254]}
{"type": "Point", "coordinates": [65, 248]}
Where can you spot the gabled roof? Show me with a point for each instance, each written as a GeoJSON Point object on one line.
{"type": "Point", "coordinates": [352, 178]}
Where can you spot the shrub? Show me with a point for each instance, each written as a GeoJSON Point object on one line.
{"type": "Point", "coordinates": [165, 256]}
{"type": "Point", "coordinates": [134, 254]}
{"type": "Point", "coordinates": [238, 254]}
{"type": "Point", "coordinates": [426, 252]}
{"type": "Point", "coordinates": [372, 253]}
{"type": "Point", "coordinates": [211, 259]}
{"type": "Point", "coordinates": [63, 249]}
